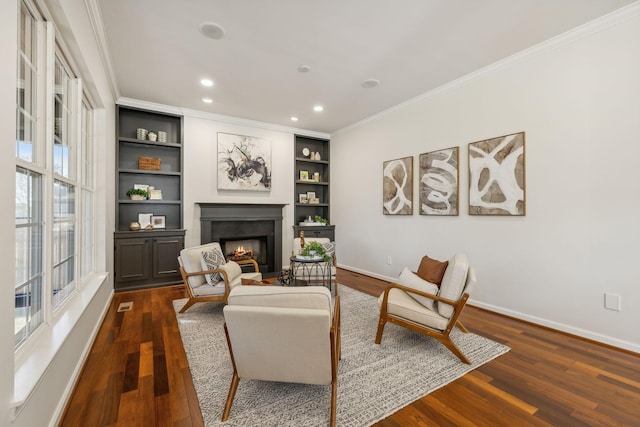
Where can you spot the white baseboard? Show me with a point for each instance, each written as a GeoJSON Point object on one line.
{"type": "Point", "coordinates": [583, 333]}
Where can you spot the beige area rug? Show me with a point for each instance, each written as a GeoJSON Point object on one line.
{"type": "Point", "coordinates": [374, 381]}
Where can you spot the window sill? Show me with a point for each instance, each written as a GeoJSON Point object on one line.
{"type": "Point", "coordinates": [36, 361]}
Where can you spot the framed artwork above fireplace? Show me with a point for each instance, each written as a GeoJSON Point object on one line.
{"type": "Point", "coordinates": [244, 163]}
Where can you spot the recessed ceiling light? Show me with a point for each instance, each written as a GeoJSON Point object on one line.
{"type": "Point", "coordinates": [318, 108]}
{"type": "Point", "coordinates": [212, 30]}
{"type": "Point", "coordinates": [294, 119]}
{"type": "Point", "coordinates": [304, 68]}
{"type": "Point", "coordinates": [368, 84]}
{"type": "Point", "coordinates": [207, 100]}
{"type": "Point", "coordinates": [206, 82]}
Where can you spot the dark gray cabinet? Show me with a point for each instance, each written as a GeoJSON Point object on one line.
{"type": "Point", "coordinates": [316, 231]}
{"type": "Point", "coordinates": [148, 258]}
{"type": "Point", "coordinates": [312, 178]}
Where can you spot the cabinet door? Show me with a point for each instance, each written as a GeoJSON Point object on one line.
{"type": "Point", "coordinates": [132, 259]}
{"type": "Point", "coordinates": [165, 256]}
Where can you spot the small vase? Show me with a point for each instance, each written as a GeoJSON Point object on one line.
{"type": "Point", "coordinates": [141, 133]}
{"type": "Point", "coordinates": [136, 197]}
{"type": "Point", "coordinates": [134, 226]}
{"type": "Point", "coordinates": [152, 136]}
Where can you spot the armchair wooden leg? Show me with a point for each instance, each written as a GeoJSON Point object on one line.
{"type": "Point", "coordinates": [232, 393]}
{"type": "Point", "coordinates": [381, 322]}
{"type": "Point", "coordinates": [187, 305]}
{"type": "Point", "coordinates": [461, 327]}
{"type": "Point", "coordinates": [454, 349]}
{"type": "Point", "coordinates": [334, 399]}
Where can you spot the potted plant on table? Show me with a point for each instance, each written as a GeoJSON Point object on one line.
{"type": "Point", "coordinates": [314, 249]}
{"type": "Point", "coordinates": [137, 194]}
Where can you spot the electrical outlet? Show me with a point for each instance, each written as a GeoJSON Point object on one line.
{"type": "Point", "coordinates": [388, 259]}
{"type": "Point", "coordinates": [612, 302]}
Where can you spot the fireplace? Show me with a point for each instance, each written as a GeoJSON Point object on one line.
{"type": "Point", "coordinates": [239, 250]}
{"type": "Point", "coordinates": [245, 231]}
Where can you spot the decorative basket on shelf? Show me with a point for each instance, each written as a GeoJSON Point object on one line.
{"type": "Point", "coordinates": [149, 163]}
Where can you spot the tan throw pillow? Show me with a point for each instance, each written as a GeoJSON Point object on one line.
{"type": "Point", "coordinates": [432, 270]}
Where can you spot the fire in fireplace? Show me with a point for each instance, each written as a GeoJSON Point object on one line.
{"type": "Point", "coordinates": [252, 248]}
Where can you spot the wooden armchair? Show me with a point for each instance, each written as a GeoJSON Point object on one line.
{"type": "Point", "coordinates": [437, 320]}
{"type": "Point", "coordinates": [193, 276]}
{"type": "Point", "coordinates": [283, 334]}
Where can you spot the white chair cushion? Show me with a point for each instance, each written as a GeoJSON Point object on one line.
{"type": "Point", "coordinates": [453, 283]}
{"type": "Point", "coordinates": [234, 272]}
{"type": "Point", "coordinates": [412, 280]}
{"type": "Point", "coordinates": [401, 304]}
{"type": "Point", "coordinates": [190, 261]}
{"type": "Point", "coordinates": [206, 290]}
{"type": "Point", "coordinates": [257, 276]}
{"type": "Point", "coordinates": [313, 297]}
{"type": "Point", "coordinates": [471, 280]}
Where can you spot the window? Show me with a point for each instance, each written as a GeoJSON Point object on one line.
{"type": "Point", "coordinates": [87, 220]}
{"type": "Point", "coordinates": [29, 186]}
{"type": "Point", "coordinates": [26, 90]}
{"type": "Point", "coordinates": [29, 275]}
{"type": "Point", "coordinates": [63, 241]}
{"type": "Point", "coordinates": [55, 213]}
{"type": "Point", "coordinates": [64, 218]}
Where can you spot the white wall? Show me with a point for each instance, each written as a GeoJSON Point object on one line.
{"type": "Point", "coordinates": [43, 405]}
{"type": "Point", "coordinates": [577, 100]}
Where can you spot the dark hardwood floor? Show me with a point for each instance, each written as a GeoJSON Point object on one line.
{"type": "Point", "coordinates": [137, 374]}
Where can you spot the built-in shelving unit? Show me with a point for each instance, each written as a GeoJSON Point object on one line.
{"type": "Point", "coordinates": [148, 258]}
{"type": "Point", "coordinates": [312, 178]}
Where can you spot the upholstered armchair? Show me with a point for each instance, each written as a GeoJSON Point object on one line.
{"type": "Point", "coordinates": [320, 272]}
{"type": "Point", "coordinates": [426, 308]}
{"type": "Point", "coordinates": [283, 334]}
{"type": "Point", "coordinates": [208, 276]}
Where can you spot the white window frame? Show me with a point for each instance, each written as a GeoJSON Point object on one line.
{"type": "Point", "coordinates": [79, 139]}
{"type": "Point", "coordinates": [37, 165]}
{"type": "Point", "coordinates": [34, 356]}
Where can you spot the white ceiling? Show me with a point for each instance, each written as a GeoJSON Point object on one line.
{"type": "Point", "coordinates": [410, 46]}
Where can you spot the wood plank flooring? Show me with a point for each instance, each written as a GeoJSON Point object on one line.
{"type": "Point", "coordinates": [137, 374]}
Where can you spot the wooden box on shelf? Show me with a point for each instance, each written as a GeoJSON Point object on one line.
{"type": "Point", "coordinates": [149, 163]}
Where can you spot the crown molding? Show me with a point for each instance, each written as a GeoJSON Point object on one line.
{"type": "Point", "coordinates": [582, 31]}
{"type": "Point", "coordinates": [97, 25]}
{"type": "Point", "coordinates": [219, 117]}
{"type": "Point", "coordinates": [146, 105]}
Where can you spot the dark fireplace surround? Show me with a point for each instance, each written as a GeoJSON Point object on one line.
{"type": "Point", "coordinates": [226, 222]}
